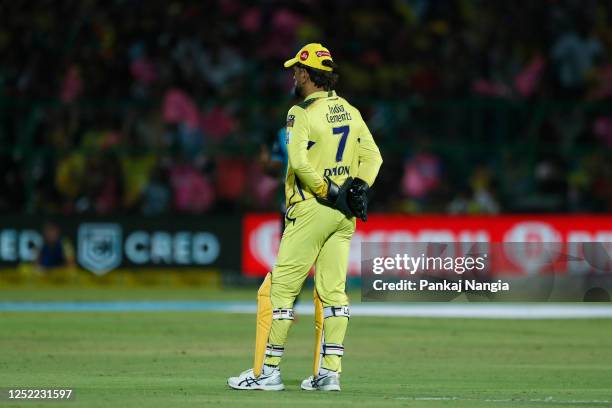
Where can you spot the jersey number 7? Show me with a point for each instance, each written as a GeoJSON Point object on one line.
{"type": "Point", "coordinates": [344, 131]}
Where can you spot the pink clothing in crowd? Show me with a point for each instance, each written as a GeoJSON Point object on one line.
{"type": "Point", "coordinates": [421, 175]}
{"type": "Point", "coordinates": [193, 192]}
{"type": "Point", "coordinates": [72, 86]}
{"type": "Point", "coordinates": [178, 107]}
{"type": "Point", "coordinates": [527, 80]}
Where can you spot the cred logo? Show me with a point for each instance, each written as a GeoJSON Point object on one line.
{"type": "Point", "coordinates": [304, 55]}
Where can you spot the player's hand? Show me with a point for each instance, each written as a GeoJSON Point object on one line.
{"type": "Point", "coordinates": [337, 196]}
{"type": "Point", "coordinates": [357, 198]}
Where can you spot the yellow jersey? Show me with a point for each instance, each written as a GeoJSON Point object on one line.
{"type": "Point", "coordinates": [326, 136]}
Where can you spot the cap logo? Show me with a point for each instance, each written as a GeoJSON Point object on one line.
{"type": "Point", "coordinates": [304, 55]}
{"type": "Point", "coordinates": [323, 54]}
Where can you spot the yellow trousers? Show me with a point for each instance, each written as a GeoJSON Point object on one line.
{"type": "Point", "coordinates": [314, 235]}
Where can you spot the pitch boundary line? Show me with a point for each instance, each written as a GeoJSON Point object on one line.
{"type": "Point", "coordinates": [430, 310]}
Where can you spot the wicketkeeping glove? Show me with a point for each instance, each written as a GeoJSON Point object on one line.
{"type": "Point", "coordinates": [357, 198]}
{"type": "Point", "coordinates": [337, 196]}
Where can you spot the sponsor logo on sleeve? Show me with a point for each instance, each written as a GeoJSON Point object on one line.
{"type": "Point", "coordinates": [290, 120]}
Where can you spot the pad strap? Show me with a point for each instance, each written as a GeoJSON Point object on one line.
{"type": "Point", "coordinates": [273, 350]}
{"type": "Point", "coordinates": [331, 349]}
{"type": "Point", "coordinates": [335, 311]}
{"type": "Point", "coordinates": [282, 314]}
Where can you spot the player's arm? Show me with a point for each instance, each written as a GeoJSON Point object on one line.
{"type": "Point", "coordinates": [297, 147]}
{"type": "Point", "coordinates": [370, 159]}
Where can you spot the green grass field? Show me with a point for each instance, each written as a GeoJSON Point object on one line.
{"type": "Point", "coordinates": [176, 359]}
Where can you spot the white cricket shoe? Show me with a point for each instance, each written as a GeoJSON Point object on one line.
{"type": "Point", "coordinates": [326, 380]}
{"type": "Point", "coordinates": [269, 380]}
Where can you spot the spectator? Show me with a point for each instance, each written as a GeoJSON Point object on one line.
{"type": "Point", "coordinates": [84, 117]}
{"type": "Point", "coordinates": [56, 250]}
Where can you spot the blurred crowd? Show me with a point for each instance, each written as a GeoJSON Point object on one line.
{"type": "Point", "coordinates": [135, 107]}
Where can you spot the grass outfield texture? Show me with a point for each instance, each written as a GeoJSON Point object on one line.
{"type": "Point", "coordinates": [176, 359]}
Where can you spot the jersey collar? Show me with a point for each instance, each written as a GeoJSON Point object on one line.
{"type": "Point", "coordinates": [321, 94]}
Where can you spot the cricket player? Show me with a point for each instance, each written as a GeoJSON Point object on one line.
{"type": "Point", "coordinates": [333, 161]}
